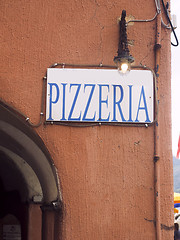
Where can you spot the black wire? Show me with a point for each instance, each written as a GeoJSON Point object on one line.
{"type": "Point", "coordinates": [167, 15]}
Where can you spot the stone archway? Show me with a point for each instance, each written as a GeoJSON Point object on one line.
{"type": "Point", "coordinates": [27, 168]}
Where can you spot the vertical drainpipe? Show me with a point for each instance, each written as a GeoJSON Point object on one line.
{"type": "Point", "coordinates": [156, 131]}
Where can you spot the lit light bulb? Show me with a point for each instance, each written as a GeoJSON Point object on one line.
{"type": "Point", "coordinates": [124, 67]}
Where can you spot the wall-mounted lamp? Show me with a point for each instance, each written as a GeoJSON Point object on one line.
{"type": "Point", "coordinates": [123, 60]}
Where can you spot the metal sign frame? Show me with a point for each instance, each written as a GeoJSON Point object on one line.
{"type": "Point", "coordinates": [81, 123]}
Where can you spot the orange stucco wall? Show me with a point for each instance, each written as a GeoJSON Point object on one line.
{"type": "Point", "coordinates": [106, 172]}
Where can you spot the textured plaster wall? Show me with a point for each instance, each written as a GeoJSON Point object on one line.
{"type": "Point", "coordinates": [106, 172]}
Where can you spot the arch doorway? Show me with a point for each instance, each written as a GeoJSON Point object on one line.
{"type": "Point", "coordinates": [29, 191]}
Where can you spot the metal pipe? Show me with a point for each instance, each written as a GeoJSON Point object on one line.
{"type": "Point", "coordinates": [156, 132]}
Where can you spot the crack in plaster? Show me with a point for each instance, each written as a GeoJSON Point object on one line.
{"type": "Point", "coordinates": [102, 28]}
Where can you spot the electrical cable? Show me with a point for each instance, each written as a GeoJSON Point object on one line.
{"type": "Point", "coordinates": [165, 25]}
{"type": "Point", "coordinates": [158, 7]}
{"type": "Point", "coordinates": [143, 20]}
{"type": "Point", "coordinates": [169, 20]}
{"type": "Point", "coordinates": [158, 10]}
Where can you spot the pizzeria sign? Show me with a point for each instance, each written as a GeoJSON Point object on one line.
{"type": "Point", "coordinates": [99, 95]}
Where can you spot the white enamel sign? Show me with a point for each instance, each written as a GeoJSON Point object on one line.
{"type": "Point", "coordinates": [99, 95]}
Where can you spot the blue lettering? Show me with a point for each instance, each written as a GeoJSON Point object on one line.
{"type": "Point", "coordinates": [63, 105]}
{"type": "Point", "coordinates": [74, 102]}
{"type": "Point", "coordinates": [142, 95]}
{"type": "Point", "coordinates": [118, 103]}
{"type": "Point", "coordinates": [130, 103]}
{"type": "Point", "coordinates": [88, 103]}
{"type": "Point", "coordinates": [102, 101]}
{"type": "Point", "coordinates": [51, 100]}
